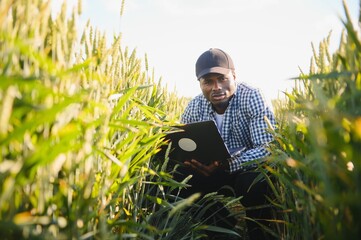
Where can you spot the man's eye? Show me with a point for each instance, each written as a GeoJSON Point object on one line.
{"type": "Point", "coordinates": [207, 82]}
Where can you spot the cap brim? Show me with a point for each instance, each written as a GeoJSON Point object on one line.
{"type": "Point", "coordinates": [219, 70]}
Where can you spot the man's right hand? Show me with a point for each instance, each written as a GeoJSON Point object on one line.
{"type": "Point", "coordinates": [205, 170]}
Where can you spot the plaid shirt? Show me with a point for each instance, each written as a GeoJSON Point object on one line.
{"type": "Point", "coordinates": [243, 125]}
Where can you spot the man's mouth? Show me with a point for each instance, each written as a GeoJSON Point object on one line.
{"type": "Point", "coordinates": [218, 96]}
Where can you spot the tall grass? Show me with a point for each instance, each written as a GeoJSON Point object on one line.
{"type": "Point", "coordinates": [79, 123]}
{"type": "Point", "coordinates": [319, 144]}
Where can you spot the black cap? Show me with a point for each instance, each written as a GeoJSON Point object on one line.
{"type": "Point", "coordinates": [213, 61]}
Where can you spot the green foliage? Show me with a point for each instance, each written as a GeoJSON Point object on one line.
{"type": "Point", "coordinates": [79, 123]}
{"type": "Point", "coordinates": [319, 139]}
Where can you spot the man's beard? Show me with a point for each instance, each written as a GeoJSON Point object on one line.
{"type": "Point", "coordinates": [222, 105]}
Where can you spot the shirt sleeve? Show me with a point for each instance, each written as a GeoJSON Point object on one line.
{"type": "Point", "coordinates": [257, 110]}
{"type": "Point", "coordinates": [190, 112]}
{"type": "Point", "coordinates": [186, 116]}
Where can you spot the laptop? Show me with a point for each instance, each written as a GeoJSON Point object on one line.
{"type": "Point", "coordinates": [200, 141]}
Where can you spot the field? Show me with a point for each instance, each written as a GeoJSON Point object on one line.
{"type": "Point", "coordinates": [81, 122]}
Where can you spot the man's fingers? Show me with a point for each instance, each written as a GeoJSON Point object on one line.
{"type": "Point", "coordinates": [198, 167]}
{"type": "Point", "coordinates": [205, 170]}
{"type": "Point", "coordinates": [196, 163]}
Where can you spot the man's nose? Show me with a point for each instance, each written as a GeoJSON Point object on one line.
{"type": "Point", "coordinates": [216, 85]}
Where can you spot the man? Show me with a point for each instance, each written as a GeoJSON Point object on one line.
{"type": "Point", "coordinates": [239, 112]}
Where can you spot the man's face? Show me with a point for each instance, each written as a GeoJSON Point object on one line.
{"type": "Point", "coordinates": [218, 89]}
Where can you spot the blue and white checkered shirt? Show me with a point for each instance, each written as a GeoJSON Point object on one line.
{"type": "Point", "coordinates": [243, 125]}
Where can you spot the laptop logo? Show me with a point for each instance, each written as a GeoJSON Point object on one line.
{"type": "Point", "coordinates": [187, 144]}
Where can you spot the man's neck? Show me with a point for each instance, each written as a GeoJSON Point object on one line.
{"type": "Point", "coordinates": [220, 108]}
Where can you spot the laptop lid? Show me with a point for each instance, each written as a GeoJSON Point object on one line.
{"type": "Point", "coordinates": [200, 141]}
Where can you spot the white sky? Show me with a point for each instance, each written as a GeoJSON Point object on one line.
{"type": "Point", "coordinates": [268, 39]}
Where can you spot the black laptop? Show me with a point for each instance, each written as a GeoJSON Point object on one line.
{"type": "Point", "coordinates": [200, 140]}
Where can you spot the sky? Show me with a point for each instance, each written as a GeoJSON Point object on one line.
{"type": "Point", "coordinates": [268, 40]}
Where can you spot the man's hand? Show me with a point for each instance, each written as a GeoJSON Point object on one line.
{"type": "Point", "coordinates": [205, 170]}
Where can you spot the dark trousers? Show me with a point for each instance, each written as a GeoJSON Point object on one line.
{"type": "Point", "coordinates": [242, 183]}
